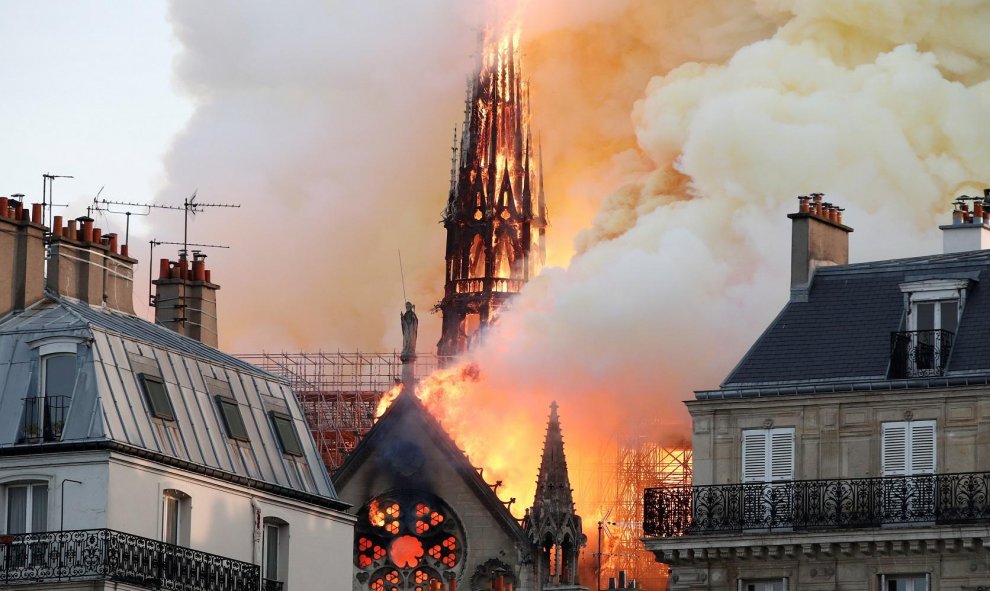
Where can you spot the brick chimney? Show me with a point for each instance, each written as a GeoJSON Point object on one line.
{"type": "Point", "coordinates": [86, 265]}
{"type": "Point", "coordinates": [970, 227]}
{"type": "Point", "coordinates": [22, 268]}
{"type": "Point", "coordinates": [818, 239]}
{"type": "Point", "coordinates": [186, 300]}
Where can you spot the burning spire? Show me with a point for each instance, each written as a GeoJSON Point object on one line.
{"type": "Point", "coordinates": [490, 217]}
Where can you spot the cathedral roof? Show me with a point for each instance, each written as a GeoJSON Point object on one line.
{"type": "Point", "coordinates": [407, 418]}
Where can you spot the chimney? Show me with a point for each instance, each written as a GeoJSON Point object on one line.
{"type": "Point", "coordinates": [818, 239]}
{"type": "Point", "coordinates": [970, 228]}
{"type": "Point", "coordinates": [85, 265]}
{"type": "Point", "coordinates": [185, 298]}
{"type": "Point", "coordinates": [22, 270]}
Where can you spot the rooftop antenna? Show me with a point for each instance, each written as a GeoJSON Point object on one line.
{"type": "Point", "coordinates": [151, 257]}
{"type": "Point", "coordinates": [47, 183]}
{"type": "Point", "coordinates": [104, 205]}
{"type": "Point", "coordinates": [403, 276]}
{"type": "Point", "coordinates": [193, 207]}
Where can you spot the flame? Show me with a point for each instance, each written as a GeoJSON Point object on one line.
{"type": "Point", "coordinates": [375, 515]}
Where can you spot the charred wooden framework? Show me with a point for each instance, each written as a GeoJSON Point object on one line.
{"type": "Point", "coordinates": [496, 214]}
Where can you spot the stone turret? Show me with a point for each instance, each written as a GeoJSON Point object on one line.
{"type": "Point", "coordinates": [552, 524]}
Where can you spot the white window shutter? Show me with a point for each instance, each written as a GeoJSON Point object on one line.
{"type": "Point", "coordinates": [781, 454]}
{"type": "Point", "coordinates": [922, 448]}
{"type": "Point", "coordinates": [754, 455]}
{"type": "Point", "coordinates": [893, 449]}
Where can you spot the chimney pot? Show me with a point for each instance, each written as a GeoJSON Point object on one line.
{"type": "Point", "coordinates": [112, 238]}
{"type": "Point", "coordinates": [206, 275]}
{"type": "Point", "coordinates": [36, 213]}
{"type": "Point", "coordinates": [87, 229]}
{"type": "Point", "coordinates": [163, 266]}
{"type": "Point", "coordinates": [123, 250]}
{"type": "Point", "coordinates": [71, 231]}
{"type": "Point", "coordinates": [816, 241]}
{"type": "Point", "coordinates": [57, 225]}
{"type": "Point", "coordinates": [97, 236]}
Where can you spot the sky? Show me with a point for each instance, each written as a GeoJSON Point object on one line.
{"type": "Point", "coordinates": [89, 92]}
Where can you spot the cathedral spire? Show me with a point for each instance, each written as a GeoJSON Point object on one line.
{"type": "Point", "coordinates": [492, 221]}
{"type": "Point", "coordinates": [553, 485]}
{"type": "Point", "coordinates": [552, 523]}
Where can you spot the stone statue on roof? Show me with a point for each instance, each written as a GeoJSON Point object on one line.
{"type": "Point", "coordinates": [410, 328]}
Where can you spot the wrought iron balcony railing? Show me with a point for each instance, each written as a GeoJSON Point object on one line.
{"type": "Point", "coordinates": [817, 504]}
{"type": "Point", "coordinates": [44, 418]}
{"type": "Point", "coordinates": [919, 353]}
{"type": "Point", "coordinates": [108, 555]}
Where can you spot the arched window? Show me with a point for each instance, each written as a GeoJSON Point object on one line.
{"type": "Point", "coordinates": [46, 408]}
{"type": "Point", "coordinates": [176, 517]}
{"type": "Point", "coordinates": [275, 551]}
{"type": "Point", "coordinates": [407, 541]}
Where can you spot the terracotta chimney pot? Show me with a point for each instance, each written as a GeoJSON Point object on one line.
{"type": "Point", "coordinates": [36, 213]}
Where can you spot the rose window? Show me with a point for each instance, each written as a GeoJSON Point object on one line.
{"type": "Point", "coordinates": [406, 541]}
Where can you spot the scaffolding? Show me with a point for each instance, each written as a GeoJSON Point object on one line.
{"type": "Point", "coordinates": [339, 392]}
{"type": "Point", "coordinates": [641, 463]}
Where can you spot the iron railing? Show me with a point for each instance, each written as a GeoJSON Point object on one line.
{"type": "Point", "coordinates": [44, 418]}
{"type": "Point", "coordinates": [919, 353]}
{"type": "Point", "coordinates": [270, 585]}
{"type": "Point", "coordinates": [108, 555]}
{"type": "Point", "coordinates": [817, 504]}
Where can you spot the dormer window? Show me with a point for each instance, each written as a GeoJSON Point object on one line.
{"type": "Point", "coordinates": [47, 404]}
{"type": "Point", "coordinates": [157, 396]}
{"type": "Point", "coordinates": [934, 308]}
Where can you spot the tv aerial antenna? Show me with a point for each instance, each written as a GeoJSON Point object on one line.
{"type": "Point", "coordinates": [151, 257]}
{"type": "Point", "coordinates": [47, 203]}
{"type": "Point", "coordinates": [193, 207]}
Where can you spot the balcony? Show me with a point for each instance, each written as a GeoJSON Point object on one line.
{"type": "Point", "coordinates": [919, 353]}
{"type": "Point", "coordinates": [815, 505]}
{"type": "Point", "coordinates": [44, 418]}
{"type": "Point", "coordinates": [108, 555]}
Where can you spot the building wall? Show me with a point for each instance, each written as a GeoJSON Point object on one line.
{"type": "Point", "coordinates": [838, 435]}
{"type": "Point", "coordinates": [222, 520]}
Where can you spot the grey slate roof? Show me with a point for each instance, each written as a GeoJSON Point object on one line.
{"type": "Point", "coordinates": [108, 403]}
{"type": "Point", "coordinates": [842, 333]}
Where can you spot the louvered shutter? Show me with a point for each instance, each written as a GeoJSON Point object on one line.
{"type": "Point", "coordinates": [781, 454]}
{"type": "Point", "coordinates": [893, 449]}
{"type": "Point", "coordinates": [754, 456]}
{"type": "Point", "coordinates": [922, 447]}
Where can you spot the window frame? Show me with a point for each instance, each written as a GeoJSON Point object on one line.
{"type": "Point", "coordinates": [275, 417]}
{"type": "Point", "coordinates": [281, 557]}
{"type": "Point", "coordinates": [236, 408]}
{"type": "Point", "coordinates": [912, 577]}
{"type": "Point", "coordinates": [166, 414]}
{"type": "Point", "coordinates": [743, 583]}
{"type": "Point", "coordinates": [182, 504]}
{"type": "Point", "coordinates": [30, 509]}
{"type": "Point", "coordinates": [912, 430]}
{"type": "Point", "coordinates": [772, 448]}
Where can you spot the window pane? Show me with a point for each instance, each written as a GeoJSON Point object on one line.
{"type": "Point", "coordinates": [39, 508]}
{"type": "Point", "coordinates": [271, 552]}
{"type": "Point", "coordinates": [232, 419]}
{"type": "Point", "coordinates": [925, 316]}
{"type": "Point", "coordinates": [171, 520]}
{"type": "Point", "coordinates": [16, 509]}
{"type": "Point", "coordinates": [157, 396]}
{"type": "Point", "coordinates": [287, 434]}
{"type": "Point", "coordinates": [60, 375]}
{"type": "Point", "coordinates": [949, 312]}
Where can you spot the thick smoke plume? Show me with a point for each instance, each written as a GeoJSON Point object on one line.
{"type": "Point", "coordinates": [676, 136]}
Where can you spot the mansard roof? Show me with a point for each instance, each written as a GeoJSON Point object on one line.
{"type": "Point", "coordinates": [109, 409]}
{"type": "Point", "coordinates": [840, 338]}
